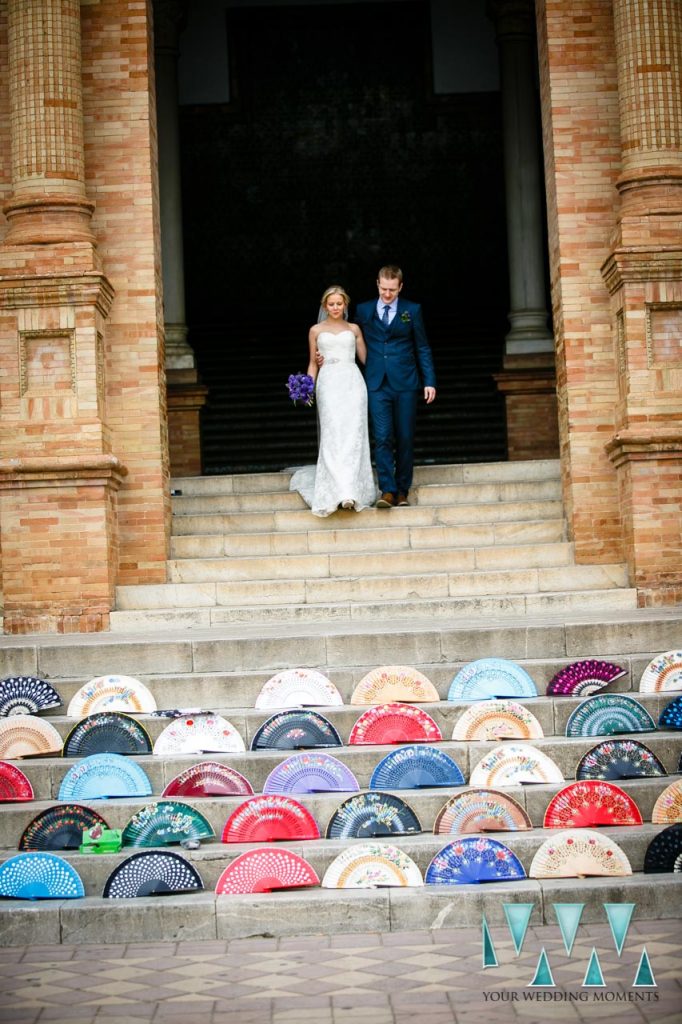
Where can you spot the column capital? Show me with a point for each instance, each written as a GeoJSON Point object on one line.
{"type": "Point", "coordinates": [636, 445]}
{"type": "Point", "coordinates": [512, 17]}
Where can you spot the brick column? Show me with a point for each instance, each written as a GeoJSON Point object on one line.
{"type": "Point", "coordinates": [58, 476]}
{"type": "Point", "coordinates": [644, 276]}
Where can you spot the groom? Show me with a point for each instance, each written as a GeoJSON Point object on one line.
{"type": "Point", "coordinates": [398, 353]}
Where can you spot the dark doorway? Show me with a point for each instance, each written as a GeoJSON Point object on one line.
{"type": "Point", "coordinates": [333, 157]}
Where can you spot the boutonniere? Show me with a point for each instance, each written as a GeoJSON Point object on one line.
{"type": "Point", "coordinates": [406, 318]}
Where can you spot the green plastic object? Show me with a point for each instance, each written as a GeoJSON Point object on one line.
{"type": "Point", "coordinates": [101, 840]}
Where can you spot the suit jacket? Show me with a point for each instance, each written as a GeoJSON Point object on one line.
{"type": "Point", "coordinates": [399, 352]}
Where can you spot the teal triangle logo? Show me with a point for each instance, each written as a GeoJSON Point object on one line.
{"type": "Point", "coordinates": [489, 955]}
{"type": "Point", "coordinates": [543, 973]}
{"type": "Point", "coordinates": [568, 915]}
{"type": "Point", "coordinates": [593, 975]}
{"type": "Point", "coordinates": [619, 915]}
{"type": "Point", "coordinates": [518, 916]}
{"type": "Point", "coordinates": [645, 976]}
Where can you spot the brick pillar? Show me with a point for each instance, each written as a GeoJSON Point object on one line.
{"type": "Point", "coordinates": [58, 476]}
{"type": "Point", "coordinates": [644, 277]}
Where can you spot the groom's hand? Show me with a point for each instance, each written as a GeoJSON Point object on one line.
{"type": "Point", "coordinates": [429, 395]}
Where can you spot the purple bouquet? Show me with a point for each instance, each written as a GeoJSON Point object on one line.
{"type": "Point", "coordinates": [301, 388]}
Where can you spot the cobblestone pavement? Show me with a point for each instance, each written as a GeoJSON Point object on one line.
{"type": "Point", "coordinates": [434, 977]}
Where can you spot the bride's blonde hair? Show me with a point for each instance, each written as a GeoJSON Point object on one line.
{"type": "Point", "coordinates": [334, 289]}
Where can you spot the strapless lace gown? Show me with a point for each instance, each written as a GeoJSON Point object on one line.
{"type": "Point", "coordinates": [344, 470]}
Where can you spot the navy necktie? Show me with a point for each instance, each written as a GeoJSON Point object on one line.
{"type": "Point", "coordinates": [384, 318]}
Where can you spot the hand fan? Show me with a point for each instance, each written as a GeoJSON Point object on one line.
{"type": "Point", "coordinates": [14, 786]}
{"type": "Point", "coordinates": [394, 723]}
{"type": "Point", "coordinates": [663, 673]}
{"type": "Point", "coordinates": [165, 823]}
{"type": "Point", "coordinates": [298, 687]}
{"type": "Point", "coordinates": [107, 732]}
{"type": "Point", "coordinates": [269, 817]}
{"type": "Point", "coordinates": [296, 730]}
{"type": "Point", "coordinates": [491, 677]}
{"type": "Point", "coordinates": [609, 714]}
{"type": "Point", "coordinates": [209, 778]}
{"type": "Point", "coordinates": [416, 767]}
{"type": "Point", "coordinates": [591, 802]}
{"type": "Point", "coordinates": [664, 852]}
{"type": "Point", "coordinates": [111, 693]}
{"type": "Point", "coordinates": [371, 866]}
{"type": "Point", "coordinates": [369, 815]}
{"type": "Point", "coordinates": [577, 853]}
{"type": "Point", "coordinates": [195, 734]}
{"type": "Point", "coordinates": [671, 715]}
{"type": "Point", "coordinates": [28, 736]}
{"type": "Point", "coordinates": [311, 772]}
{"type": "Point", "coordinates": [619, 759]}
{"type": "Point", "coordinates": [26, 695]}
{"type": "Point", "coordinates": [393, 683]}
{"type": "Point", "coordinates": [152, 873]}
{"type": "Point", "coordinates": [582, 678]}
{"type": "Point", "coordinates": [40, 876]}
{"type": "Point", "coordinates": [481, 810]}
{"type": "Point", "coordinates": [59, 828]}
{"type": "Point", "coordinates": [668, 807]}
{"type": "Point", "coordinates": [497, 720]}
{"type": "Point", "coordinates": [473, 860]}
{"type": "Point", "coordinates": [104, 775]}
{"type": "Point", "coordinates": [511, 764]}
{"type": "Point", "coordinates": [264, 870]}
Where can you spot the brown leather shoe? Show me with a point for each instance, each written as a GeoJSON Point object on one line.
{"type": "Point", "coordinates": [386, 500]}
{"type": "Point", "coordinates": [402, 500]}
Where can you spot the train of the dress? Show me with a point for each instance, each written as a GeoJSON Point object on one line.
{"type": "Point", "coordinates": [303, 481]}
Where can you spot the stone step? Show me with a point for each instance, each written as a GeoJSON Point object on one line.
{"type": "Point", "coordinates": [300, 520]}
{"type": "Point", "coordinates": [328, 911]}
{"type": "Point", "coordinates": [384, 537]}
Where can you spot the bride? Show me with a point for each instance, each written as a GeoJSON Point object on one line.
{"type": "Point", "coordinates": [343, 475]}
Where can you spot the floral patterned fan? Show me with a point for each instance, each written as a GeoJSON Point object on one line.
{"type": "Point", "coordinates": [582, 678]}
{"type": "Point", "coordinates": [370, 815]}
{"type": "Point", "coordinates": [152, 873]}
{"type": "Point", "coordinates": [165, 823]}
{"type": "Point", "coordinates": [264, 870]}
{"type": "Point", "coordinates": [663, 673]}
{"type": "Point", "coordinates": [619, 759]}
{"type": "Point", "coordinates": [509, 765]}
{"type": "Point", "coordinates": [296, 730]}
{"type": "Point", "coordinates": [394, 723]}
{"type": "Point", "coordinates": [298, 687]}
{"type": "Point", "coordinates": [269, 817]}
{"type": "Point", "coordinates": [393, 683]}
{"type": "Point", "coordinates": [471, 860]}
{"type": "Point", "coordinates": [578, 853]}
{"type": "Point", "coordinates": [209, 778]}
{"type": "Point", "coordinates": [371, 866]}
{"type": "Point", "coordinates": [26, 695]}
{"type": "Point", "coordinates": [608, 714]}
{"type": "Point", "coordinates": [481, 810]}
{"type": "Point", "coordinates": [194, 734]}
{"type": "Point", "coordinates": [14, 786]}
{"type": "Point", "coordinates": [28, 736]}
{"type": "Point", "coordinates": [497, 720]}
{"type": "Point", "coordinates": [112, 693]}
{"type": "Point", "coordinates": [491, 677]}
{"type": "Point", "coordinates": [104, 775]}
{"type": "Point", "coordinates": [311, 771]}
{"type": "Point", "coordinates": [40, 876]}
{"type": "Point", "coordinates": [416, 767]}
{"type": "Point", "coordinates": [59, 828]}
{"type": "Point", "coordinates": [591, 802]}
{"type": "Point", "coordinates": [664, 852]}
{"type": "Point", "coordinates": [107, 732]}
{"type": "Point", "coordinates": [668, 807]}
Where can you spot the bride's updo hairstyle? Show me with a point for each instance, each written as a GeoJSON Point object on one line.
{"type": "Point", "coordinates": [335, 289]}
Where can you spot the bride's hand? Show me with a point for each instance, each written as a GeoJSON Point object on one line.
{"type": "Point", "coordinates": [319, 358]}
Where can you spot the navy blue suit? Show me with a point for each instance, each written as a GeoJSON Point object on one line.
{"type": "Point", "coordinates": [396, 357]}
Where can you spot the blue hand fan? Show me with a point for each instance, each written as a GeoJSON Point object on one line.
{"type": "Point", "coordinates": [491, 677]}
{"type": "Point", "coordinates": [372, 814]}
{"type": "Point", "coordinates": [671, 715]}
{"type": "Point", "coordinates": [40, 876]}
{"type": "Point", "coordinates": [416, 767]}
{"type": "Point", "coordinates": [104, 775]}
{"type": "Point", "coordinates": [472, 859]}
{"type": "Point", "coordinates": [609, 714]}
{"type": "Point", "coordinates": [311, 772]}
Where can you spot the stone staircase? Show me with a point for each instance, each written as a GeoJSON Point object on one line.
{"type": "Point", "coordinates": [477, 567]}
{"type": "Point", "coordinates": [478, 540]}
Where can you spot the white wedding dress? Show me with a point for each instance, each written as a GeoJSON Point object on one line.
{"type": "Point", "coordinates": [344, 470]}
